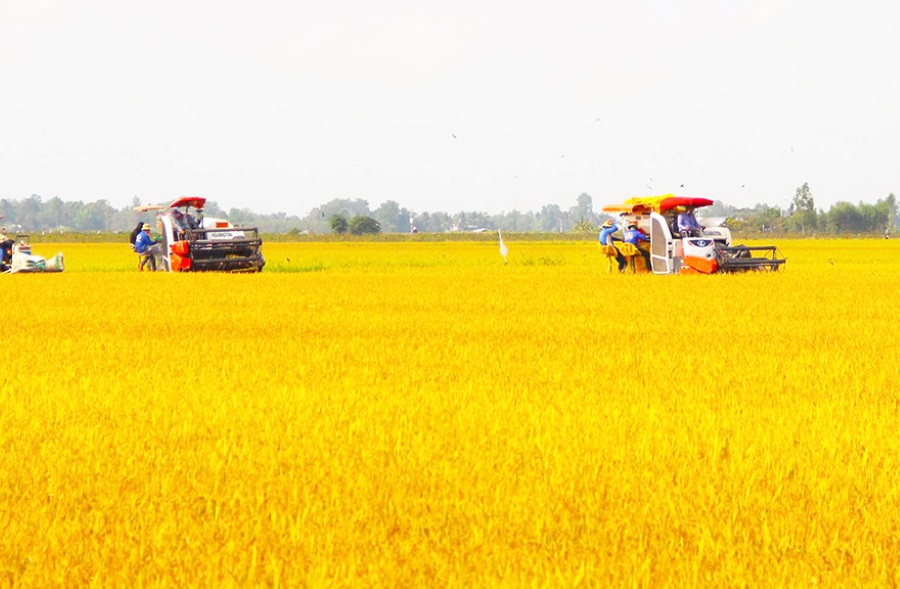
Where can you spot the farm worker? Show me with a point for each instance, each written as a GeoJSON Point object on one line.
{"type": "Point", "coordinates": [191, 222]}
{"type": "Point", "coordinates": [146, 247]}
{"type": "Point", "coordinates": [606, 232]}
{"type": "Point", "coordinates": [636, 237]}
{"type": "Point", "coordinates": [5, 249]}
{"type": "Point", "coordinates": [180, 224]}
{"type": "Point", "coordinates": [135, 232]}
{"type": "Point", "coordinates": [606, 238]}
{"type": "Point", "coordinates": [687, 223]}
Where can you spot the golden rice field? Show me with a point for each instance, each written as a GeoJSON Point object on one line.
{"type": "Point", "coordinates": [420, 415]}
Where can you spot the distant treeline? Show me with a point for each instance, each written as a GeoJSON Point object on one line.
{"type": "Point", "coordinates": [37, 215]}
{"type": "Point", "coordinates": [802, 217]}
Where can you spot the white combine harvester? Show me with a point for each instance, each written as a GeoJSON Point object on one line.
{"type": "Point", "coordinates": [194, 243]}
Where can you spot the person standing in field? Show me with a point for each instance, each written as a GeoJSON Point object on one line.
{"type": "Point", "coordinates": [146, 248]}
{"type": "Point", "coordinates": [135, 232]}
{"type": "Point", "coordinates": [5, 249]}
{"type": "Point", "coordinates": [606, 239]}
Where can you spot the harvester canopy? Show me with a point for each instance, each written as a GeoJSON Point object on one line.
{"type": "Point", "coordinates": [657, 204]}
{"type": "Point", "coordinates": [198, 202]}
{"type": "Point", "coordinates": [189, 201]}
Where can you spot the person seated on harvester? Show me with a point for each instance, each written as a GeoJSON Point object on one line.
{"type": "Point", "coordinates": [636, 237]}
{"type": "Point", "coordinates": [606, 238]}
{"type": "Point", "coordinates": [687, 223]}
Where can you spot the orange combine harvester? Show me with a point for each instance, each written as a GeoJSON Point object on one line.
{"type": "Point", "coordinates": [194, 243]}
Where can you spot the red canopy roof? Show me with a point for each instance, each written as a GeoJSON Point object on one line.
{"type": "Point", "coordinates": [189, 201]}
{"type": "Point", "coordinates": [671, 202]}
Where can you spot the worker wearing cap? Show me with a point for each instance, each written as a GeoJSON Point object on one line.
{"type": "Point", "coordinates": [146, 247]}
{"type": "Point", "coordinates": [636, 237]}
{"type": "Point", "coordinates": [606, 238]}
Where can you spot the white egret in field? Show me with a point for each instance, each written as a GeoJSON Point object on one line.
{"type": "Point", "coordinates": [503, 249]}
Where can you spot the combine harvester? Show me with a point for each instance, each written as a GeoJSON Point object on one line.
{"type": "Point", "coordinates": [671, 253]}
{"type": "Point", "coordinates": [194, 243]}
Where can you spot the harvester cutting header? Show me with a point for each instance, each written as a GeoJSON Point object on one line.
{"type": "Point", "coordinates": [679, 244]}
{"type": "Point", "coordinates": [194, 243]}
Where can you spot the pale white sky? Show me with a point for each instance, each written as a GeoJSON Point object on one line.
{"type": "Point", "coordinates": [282, 105]}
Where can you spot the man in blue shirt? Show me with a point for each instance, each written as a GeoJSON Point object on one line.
{"type": "Point", "coordinates": [606, 238]}
{"type": "Point", "coordinates": [146, 248]}
{"type": "Point", "coordinates": [636, 237]}
{"type": "Point", "coordinates": [687, 223]}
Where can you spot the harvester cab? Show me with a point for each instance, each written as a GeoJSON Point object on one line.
{"type": "Point", "coordinates": [192, 242]}
{"type": "Point", "coordinates": [709, 252]}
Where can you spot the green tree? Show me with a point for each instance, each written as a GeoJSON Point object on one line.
{"type": "Point", "coordinates": [317, 219]}
{"type": "Point", "coordinates": [584, 226]}
{"type": "Point", "coordinates": [513, 221]}
{"type": "Point", "coordinates": [762, 217]}
{"type": "Point", "coordinates": [52, 213]}
{"type": "Point", "coordinates": [889, 205]}
{"type": "Point", "coordinates": [361, 225]}
{"type": "Point", "coordinates": [584, 210]}
{"type": "Point", "coordinates": [434, 222]}
{"type": "Point", "coordinates": [338, 224]}
{"type": "Point", "coordinates": [844, 217]}
{"type": "Point", "coordinates": [392, 217]}
{"type": "Point", "coordinates": [893, 204]}
{"type": "Point", "coordinates": [550, 218]}
{"type": "Point", "coordinates": [875, 217]}
{"type": "Point", "coordinates": [212, 209]}
{"type": "Point", "coordinates": [471, 220]}
{"type": "Point", "coordinates": [803, 209]}
{"type": "Point", "coordinates": [346, 206]}
{"type": "Point", "coordinates": [30, 210]}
